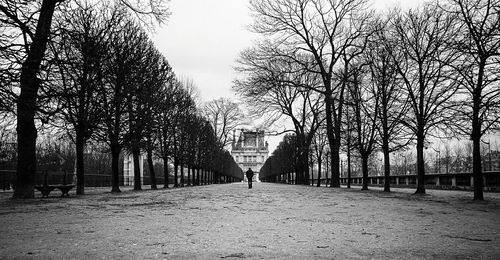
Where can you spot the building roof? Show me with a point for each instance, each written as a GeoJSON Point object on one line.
{"type": "Point", "coordinates": [250, 139]}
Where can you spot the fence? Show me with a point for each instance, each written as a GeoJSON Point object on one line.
{"type": "Point", "coordinates": [462, 181]}
{"type": "Point", "coordinates": [7, 178]}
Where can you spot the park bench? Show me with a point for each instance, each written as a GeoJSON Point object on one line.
{"type": "Point", "coordinates": [46, 189]}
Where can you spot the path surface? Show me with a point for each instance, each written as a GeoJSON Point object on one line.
{"type": "Point", "coordinates": [270, 221]}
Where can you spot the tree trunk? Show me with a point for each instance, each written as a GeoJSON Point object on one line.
{"type": "Point", "coordinates": [198, 176]}
{"type": "Point", "coordinates": [152, 173]}
{"type": "Point", "coordinates": [26, 105]}
{"type": "Point", "coordinates": [476, 169]}
{"type": "Point", "coordinates": [115, 177]}
{"type": "Point", "coordinates": [349, 167]}
{"type": "Point", "coordinates": [189, 176]}
{"type": "Point", "coordinates": [165, 172]}
{"type": "Point", "coordinates": [364, 165]}
{"type": "Point", "coordinates": [136, 153]}
{"type": "Point", "coordinates": [80, 170]}
{"type": "Point", "coordinates": [331, 136]}
{"type": "Point", "coordinates": [319, 171]}
{"type": "Point", "coordinates": [476, 136]}
{"type": "Point", "coordinates": [335, 164]}
{"type": "Point", "coordinates": [387, 166]}
{"type": "Point", "coordinates": [306, 167]}
{"type": "Point", "coordinates": [420, 164]}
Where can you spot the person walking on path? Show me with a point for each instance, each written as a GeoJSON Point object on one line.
{"type": "Point", "coordinates": [249, 177]}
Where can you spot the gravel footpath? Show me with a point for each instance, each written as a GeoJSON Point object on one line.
{"type": "Point", "coordinates": [274, 221]}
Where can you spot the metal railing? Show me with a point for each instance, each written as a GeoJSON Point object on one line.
{"type": "Point", "coordinates": [7, 179]}
{"type": "Point", "coordinates": [464, 181]}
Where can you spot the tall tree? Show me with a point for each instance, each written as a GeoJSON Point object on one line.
{"type": "Point", "coordinates": [479, 46]}
{"type": "Point", "coordinates": [79, 51]}
{"type": "Point", "coordinates": [324, 30]}
{"type": "Point", "coordinates": [140, 100]}
{"type": "Point", "coordinates": [365, 107]}
{"type": "Point", "coordinates": [29, 85]}
{"type": "Point", "coordinates": [319, 144]}
{"type": "Point", "coordinates": [280, 87]}
{"type": "Point", "coordinates": [116, 93]}
{"type": "Point", "coordinates": [349, 136]}
{"type": "Point", "coordinates": [165, 126]}
{"type": "Point", "coordinates": [421, 56]}
{"type": "Point", "coordinates": [156, 92]}
{"type": "Point", "coordinates": [35, 46]}
{"type": "Point", "coordinates": [281, 162]}
{"type": "Point", "coordinates": [184, 107]}
{"type": "Point", "coordinates": [385, 83]}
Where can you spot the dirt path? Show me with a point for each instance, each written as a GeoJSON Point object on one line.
{"type": "Point", "coordinates": [270, 221]}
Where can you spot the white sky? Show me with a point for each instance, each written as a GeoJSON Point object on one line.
{"type": "Point", "coordinates": [203, 38]}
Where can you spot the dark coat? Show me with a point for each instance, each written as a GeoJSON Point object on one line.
{"type": "Point", "coordinates": [249, 174]}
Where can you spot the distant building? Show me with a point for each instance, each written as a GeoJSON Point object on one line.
{"type": "Point", "coordinates": [250, 151]}
{"type": "Point", "coordinates": [128, 168]}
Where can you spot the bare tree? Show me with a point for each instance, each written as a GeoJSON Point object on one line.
{"type": "Point", "coordinates": [319, 144]}
{"type": "Point", "coordinates": [225, 116]}
{"type": "Point", "coordinates": [325, 30]}
{"type": "Point", "coordinates": [386, 84]}
{"type": "Point", "coordinates": [117, 126]}
{"type": "Point", "coordinates": [421, 56]}
{"type": "Point", "coordinates": [29, 84]}
{"type": "Point", "coordinates": [365, 110]}
{"type": "Point", "coordinates": [79, 51]}
{"type": "Point", "coordinates": [160, 77]}
{"type": "Point", "coordinates": [143, 81]}
{"type": "Point", "coordinates": [167, 109]}
{"type": "Point", "coordinates": [281, 162]}
{"type": "Point", "coordinates": [279, 87]}
{"type": "Point", "coordinates": [479, 47]}
{"type": "Point", "coordinates": [185, 106]}
{"type": "Point", "coordinates": [35, 45]}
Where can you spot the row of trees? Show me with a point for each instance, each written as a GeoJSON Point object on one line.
{"type": "Point", "coordinates": [384, 82]}
{"type": "Point", "coordinates": [98, 76]}
{"type": "Point", "coordinates": [449, 158]}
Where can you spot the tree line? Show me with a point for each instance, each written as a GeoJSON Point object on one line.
{"type": "Point", "coordinates": [91, 70]}
{"type": "Point", "coordinates": [356, 81]}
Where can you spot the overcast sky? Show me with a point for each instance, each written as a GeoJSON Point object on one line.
{"type": "Point", "coordinates": [203, 38]}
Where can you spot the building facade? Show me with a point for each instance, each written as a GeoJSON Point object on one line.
{"type": "Point", "coordinates": [250, 151]}
{"type": "Point", "coordinates": [128, 168]}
